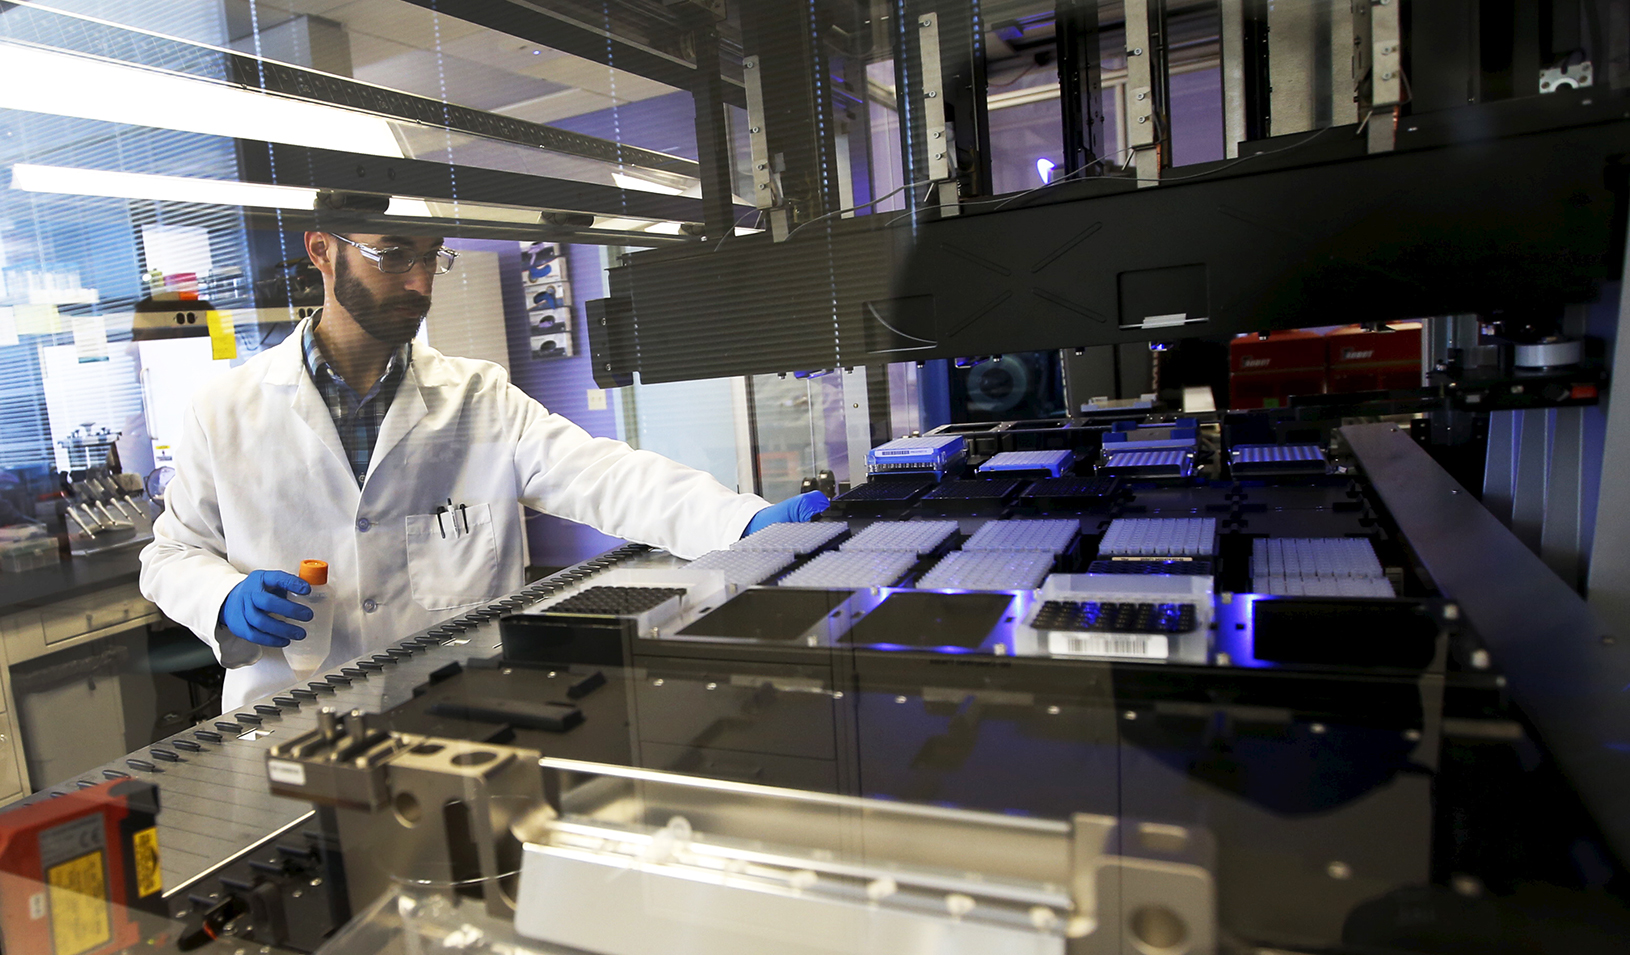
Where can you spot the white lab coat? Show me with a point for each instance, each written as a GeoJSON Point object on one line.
{"type": "Point", "coordinates": [263, 482]}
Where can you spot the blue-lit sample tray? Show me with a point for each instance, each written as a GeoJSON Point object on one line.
{"type": "Point", "coordinates": [1249, 460]}
{"type": "Point", "coordinates": [793, 538]}
{"type": "Point", "coordinates": [1027, 464]}
{"type": "Point", "coordinates": [1157, 463]}
{"type": "Point", "coordinates": [988, 570]}
{"type": "Point", "coordinates": [1053, 537]}
{"type": "Point", "coordinates": [851, 570]}
{"type": "Point", "coordinates": [911, 537]}
{"type": "Point", "coordinates": [933, 453]}
{"type": "Point", "coordinates": [1160, 537]}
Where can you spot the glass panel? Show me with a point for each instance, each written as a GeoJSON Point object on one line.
{"type": "Point", "coordinates": [835, 501]}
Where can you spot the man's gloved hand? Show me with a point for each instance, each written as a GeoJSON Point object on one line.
{"type": "Point", "coordinates": [794, 510]}
{"type": "Point", "coordinates": [248, 609]}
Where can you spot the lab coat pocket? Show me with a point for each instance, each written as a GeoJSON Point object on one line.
{"type": "Point", "coordinates": [455, 570]}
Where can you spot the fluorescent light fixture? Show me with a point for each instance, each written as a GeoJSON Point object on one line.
{"type": "Point", "coordinates": [85, 87]}
{"type": "Point", "coordinates": [139, 185]}
{"type": "Point", "coordinates": [401, 206]}
{"type": "Point", "coordinates": [134, 185]}
{"type": "Point", "coordinates": [644, 185]}
{"type": "Point", "coordinates": [675, 228]}
{"type": "Point", "coordinates": [473, 211]}
{"type": "Point", "coordinates": [1044, 169]}
{"type": "Point", "coordinates": [693, 189]}
{"type": "Point", "coordinates": [657, 228]}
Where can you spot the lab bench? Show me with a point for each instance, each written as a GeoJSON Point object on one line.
{"type": "Point", "coordinates": [57, 608]}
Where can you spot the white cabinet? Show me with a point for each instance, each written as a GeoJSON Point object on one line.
{"type": "Point", "coordinates": [87, 614]}
{"type": "Point", "coordinates": [31, 634]}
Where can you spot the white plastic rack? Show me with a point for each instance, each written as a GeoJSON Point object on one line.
{"type": "Point", "coordinates": [1318, 567]}
{"type": "Point", "coordinates": [913, 537]}
{"type": "Point", "coordinates": [988, 570]}
{"type": "Point", "coordinates": [1054, 536]}
{"type": "Point", "coordinates": [1160, 537]}
{"type": "Point", "coordinates": [793, 538]}
{"type": "Point", "coordinates": [745, 567]}
{"type": "Point", "coordinates": [1324, 586]}
{"type": "Point", "coordinates": [852, 570]}
{"type": "Point", "coordinates": [1314, 557]}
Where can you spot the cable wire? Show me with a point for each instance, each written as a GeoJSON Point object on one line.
{"type": "Point", "coordinates": [864, 205]}
{"type": "Point", "coordinates": [737, 224]}
{"type": "Point", "coordinates": [1005, 201]}
{"type": "Point", "coordinates": [1076, 176]}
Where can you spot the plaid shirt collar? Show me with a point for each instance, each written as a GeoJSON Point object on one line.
{"type": "Point", "coordinates": [358, 420]}
{"type": "Point", "coordinates": [317, 364]}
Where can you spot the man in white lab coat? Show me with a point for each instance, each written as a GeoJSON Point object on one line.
{"type": "Point", "coordinates": [349, 443]}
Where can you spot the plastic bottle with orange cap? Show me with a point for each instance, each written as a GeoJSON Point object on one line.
{"type": "Point", "coordinates": [305, 656]}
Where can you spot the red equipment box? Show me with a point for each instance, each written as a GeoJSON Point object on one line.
{"type": "Point", "coordinates": [1265, 372]}
{"type": "Point", "coordinates": [75, 870]}
{"type": "Point", "coordinates": [1363, 360]}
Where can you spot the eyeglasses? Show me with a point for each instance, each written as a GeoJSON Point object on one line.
{"type": "Point", "coordinates": [397, 261]}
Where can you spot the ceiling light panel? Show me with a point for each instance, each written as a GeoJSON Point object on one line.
{"type": "Point", "coordinates": [65, 84]}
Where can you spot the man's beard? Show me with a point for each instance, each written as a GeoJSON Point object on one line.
{"type": "Point", "coordinates": [385, 321]}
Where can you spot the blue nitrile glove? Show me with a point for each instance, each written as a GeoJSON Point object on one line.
{"type": "Point", "coordinates": [248, 609]}
{"type": "Point", "coordinates": [794, 510]}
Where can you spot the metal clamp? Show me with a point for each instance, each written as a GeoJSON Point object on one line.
{"type": "Point", "coordinates": [412, 810]}
{"type": "Point", "coordinates": [1578, 76]}
{"type": "Point", "coordinates": [615, 838]}
{"type": "Point", "coordinates": [938, 137]}
{"type": "Point", "coordinates": [1142, 122]}
{"type": "Point", "coordinates": [767, 191]}
{"type": "Point", "coordinates": [1386, 74]}
{"type": "Point", "coordinates": [933, 105]}
{"type": "Point", "coordinates": [764, 191]}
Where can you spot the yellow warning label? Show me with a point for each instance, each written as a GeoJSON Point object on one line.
{"type": "Point", "coordinates": [79, 904]}
{"type": "Point", "coordinates": [223, 335]}
{"type": "Point", "coordinates": [149, 878]}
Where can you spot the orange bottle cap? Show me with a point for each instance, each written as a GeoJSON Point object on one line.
{"type": "Point", "coordinates": [314, 571]}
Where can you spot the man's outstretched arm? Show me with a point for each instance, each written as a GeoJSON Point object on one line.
{"type": "Point", "coordinates": [637, 495]}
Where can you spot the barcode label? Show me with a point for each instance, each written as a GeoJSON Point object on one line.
{"type": "Point", "coordinates": [1110, 645]}
{"type": "Point", "coordinates": [286, 772]}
